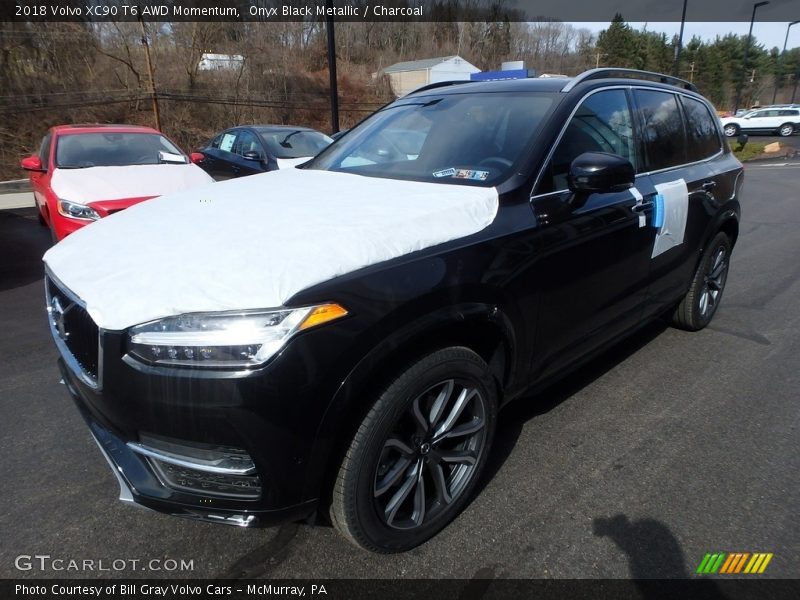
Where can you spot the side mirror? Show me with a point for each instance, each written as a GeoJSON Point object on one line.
{"type": "Point", "coordinates": [252, 155]}
{"type": "Point", "coordinates": [32, 163]}
{"type": "Point", "coordinates": [196, 157]}
{"type": "Point", "coordinates": [600, 173]}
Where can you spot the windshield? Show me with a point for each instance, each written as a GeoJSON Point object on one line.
{"type": "Point", "coordinates": [294, 144]}
{"type": "Point", "coordinates": [77, 151]}
{"type": "Point", "coordinates": [471, 139]}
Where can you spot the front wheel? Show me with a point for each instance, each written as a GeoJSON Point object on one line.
{"type": "Point", "coordinates": [418, 453]}
{"type": "Point", "coordinates": [731, 130]}
{"type": "Point", "coordinates": [786, 130]}
{"type": "Point", "coordinates": [705, 293]}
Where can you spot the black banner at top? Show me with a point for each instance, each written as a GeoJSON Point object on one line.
{"type": "Point", "coordinates": [394, 10]}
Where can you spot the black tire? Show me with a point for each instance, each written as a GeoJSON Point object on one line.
{"type": "Point", "coordinates": [731, 130]}
{"type": "Point", "coordinates": [698, 306]}
{"type": "Point", "coordinates": [786, 130]}
{"type": "Point", "coordinates": [401, 481]}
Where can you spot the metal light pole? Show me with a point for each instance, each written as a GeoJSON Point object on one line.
{"type": "Point", "coordinates": [676, 61]}
{"type": "Point", "coordinates": [781, 58]}
{"type": "Point", "coordinates": [332, 68]}
{"type": "Point", "coordinates": [746, 50]}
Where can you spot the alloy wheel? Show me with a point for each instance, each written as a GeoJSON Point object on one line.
{"type": "Point", "coordinates": [714, 282]}
{"type": "Point", "coordinates": [430, 455]}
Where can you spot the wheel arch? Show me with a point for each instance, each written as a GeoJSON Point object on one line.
{"type": "Point", "coordinates": [483, 329]}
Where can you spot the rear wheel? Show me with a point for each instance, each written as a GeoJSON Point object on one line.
{"type": "Point", "coordinates": [705, 293]}
{"type": "Point", "coordinates": [731, 130]}
{"type": "Point", "coordinates": [418, 453]}
{"type": "Point", "coordinates": [786, 130]}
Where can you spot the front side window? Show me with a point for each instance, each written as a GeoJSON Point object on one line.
{"type": "Point", "coordinates": [662, 129]}
{"type": "Point", "coordinates": [702, 130]}
{"type": "Point", "coordinates": [78, 151]}
{"type": "Point", "coordinates": [44, 151]}
{"type": "Point", "coordinates": [602, 123]}
{"type": "Point", "coordinates": [246, 141]}
{"type": "Point", "coordinates": [461, 138]}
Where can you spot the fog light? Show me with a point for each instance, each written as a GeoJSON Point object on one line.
{"type": "Point", "coordinates": [204, 469]}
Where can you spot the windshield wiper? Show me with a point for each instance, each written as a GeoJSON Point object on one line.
{"type": "Point", "coordinates": [285, 143]}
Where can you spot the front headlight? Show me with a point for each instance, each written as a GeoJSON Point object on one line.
{"type": "Point", "coordinates": [242, 339]}
{"type": "Point", "coordinates": [74, 210]}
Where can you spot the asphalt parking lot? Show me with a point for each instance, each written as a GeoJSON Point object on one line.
{"type": "Point", "coordinates": [671, 446]}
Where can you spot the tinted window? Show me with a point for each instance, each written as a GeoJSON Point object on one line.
{"type": "Point", "coordinates": [662, 129]}
{"type": "Point", "coordinates": [468, 139]}
{"type": "Point", "coordinates": [788, 113]}
{"type": "Point", "coordinates": [602, 123]}
{"type": "Point", "coordinates": [701, 129]}
{"type": "Point", "coordinates": [44, 151]}
{"type": "Point", "coordinates": [246, 141]}
{"type": "Point", "coordinates": [216, 141]}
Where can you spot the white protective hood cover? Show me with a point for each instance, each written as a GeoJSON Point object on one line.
{"type": "Point", "coordinates": [132, 181]}
{"type": "Point", "coordinates": [255, 241]}
{"type": "Point", "coordinates": [288, 163]}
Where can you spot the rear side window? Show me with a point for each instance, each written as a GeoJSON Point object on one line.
{"type": "Point", "coordinates": [662, 129]}
{"type": "Point", "coordinates": [701, 129]}
{"type": "Point", "coordinates": [788, 113]}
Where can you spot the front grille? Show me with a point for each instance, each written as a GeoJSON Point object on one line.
{"type": "Point", "coordinates": [74, 328]}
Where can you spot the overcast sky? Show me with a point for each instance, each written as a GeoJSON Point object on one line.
{"type": "Point", "coordinates": [767, 33]}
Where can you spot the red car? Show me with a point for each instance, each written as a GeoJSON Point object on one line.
{"type": "Point", "coordinates": [85, 172]}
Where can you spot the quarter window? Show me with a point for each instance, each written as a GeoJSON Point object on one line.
{"type": "Point", "coordinates": [662, 129]}
{"type": "Point", "coordinates": [702, 131]}
{"type": "Point", "coordinates": [602, 123]}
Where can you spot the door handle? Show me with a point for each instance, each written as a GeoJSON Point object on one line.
{"type": "Point", "coordinates": [709, 185]}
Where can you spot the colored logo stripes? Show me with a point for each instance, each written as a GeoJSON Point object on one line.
{"type": "Point", "coordinates": [734, 562]}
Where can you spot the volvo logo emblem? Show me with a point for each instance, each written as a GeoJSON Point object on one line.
{"type": "Point", "coordinates": [57, 314]}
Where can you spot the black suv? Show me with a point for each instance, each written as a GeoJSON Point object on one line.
{"type": "Point", "coordinates": [341, 336]}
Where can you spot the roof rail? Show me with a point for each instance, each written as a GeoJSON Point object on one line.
{"type": "Point", "coordinates": [612, 72]}
{"type": "Point", "coordinates": [433, 86]}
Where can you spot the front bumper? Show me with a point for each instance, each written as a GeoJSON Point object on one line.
{"type": "Point", "coordinates": [140, 486]}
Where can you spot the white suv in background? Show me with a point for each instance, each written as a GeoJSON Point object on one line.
{"type": "Point", "coordinates": [770, 120]}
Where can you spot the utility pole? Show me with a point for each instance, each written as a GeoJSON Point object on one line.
{"type": "Point", "coordinates": [153, 95]}
{"type": "Point", "coordinates": [691, 72]}
{"type": "Point", "coordinates": [597, 57]}
{"type": "Point", "coordinates": [781, 59]}
{"type": "Point", "coordinates": [677, 59]}
{"type": "Point", "coordinates": [744, 61]}
{"type": "Point", "coordinates": [332, 67]}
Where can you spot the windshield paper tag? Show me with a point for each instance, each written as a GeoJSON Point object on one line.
{"type": "Point", "coordinates": [445, 173]}
{"type": "Point", "coordinates": [470, 174]}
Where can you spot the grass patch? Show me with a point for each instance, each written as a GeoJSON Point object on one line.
{"type": "Point", "coordinates": [749, 152]}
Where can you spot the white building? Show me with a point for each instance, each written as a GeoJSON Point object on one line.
{"type": "Point", "coordinates": [220, 62]}
{"type": "Point", "coordinates": [408, 76]}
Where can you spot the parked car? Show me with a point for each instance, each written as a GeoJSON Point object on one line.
{"type": "Point", "coordinates": [346, 346]}
{"type": "Point", "coordinates": [83, 173]}
{"type": "Point", "coordinates": [252, 149]}
{"type": "Point", "coordinates": [768, 121]}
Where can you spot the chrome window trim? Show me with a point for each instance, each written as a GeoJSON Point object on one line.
{"type": "Point", "coordinates": [69, 358]}
{"type": "Point", "coordinates": [678, 92]}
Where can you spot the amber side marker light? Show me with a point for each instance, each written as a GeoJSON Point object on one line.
{"type": "Point", "coordinates": [322, 314]}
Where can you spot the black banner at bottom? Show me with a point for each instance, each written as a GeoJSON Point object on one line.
{"type": "Point", "coordinates": [386, 589]}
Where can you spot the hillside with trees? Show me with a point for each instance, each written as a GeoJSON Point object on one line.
{"type": "Point", "coordinates": [79, 72]}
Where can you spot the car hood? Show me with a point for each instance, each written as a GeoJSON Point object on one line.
{"type": "Point", "coordinates": [256, 241]}
{"type": "Point", "coordinates": [132, 181]}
